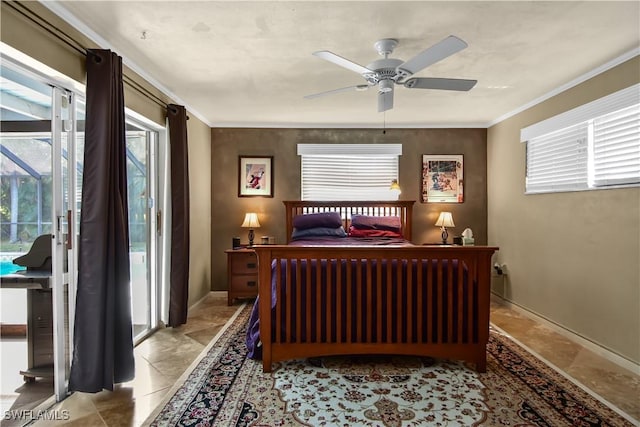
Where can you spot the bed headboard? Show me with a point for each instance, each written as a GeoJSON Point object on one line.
{"type": "Point", "coordinates": [399, 208]}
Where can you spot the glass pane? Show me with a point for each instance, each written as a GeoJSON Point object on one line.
{"type": "Point", "coordinates": [25, 213]}
{"type": "Point", "coordinates": [67, 205]}
{"type": "Point", "coordinates": [138, 194]}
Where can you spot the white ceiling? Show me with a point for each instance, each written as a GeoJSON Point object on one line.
{"type": "Point", "coordinates": [249, 64]}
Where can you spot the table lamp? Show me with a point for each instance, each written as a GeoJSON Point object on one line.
{"type": "Point", "coordinates": [445, 220]}
{"type": "Point", "coordinates": [251, 222]}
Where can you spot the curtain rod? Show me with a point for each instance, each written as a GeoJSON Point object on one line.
{"type": "Point", "coordinates": [77, 46]}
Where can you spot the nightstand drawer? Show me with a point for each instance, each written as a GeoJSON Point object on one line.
{"type": "Point", "coordinates": [244, 283]}
{"type": "Point", "coordinates": [244, 263]}
{"type": "Point", "coordinates": [242, 274]}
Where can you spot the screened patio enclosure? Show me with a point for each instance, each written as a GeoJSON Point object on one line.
{"type": "Point", "coordinates": [25, 187]}
{"type": "Point", "coordinates": [26, 180]}
{"type": "Point", "coordinates": [25, 162]}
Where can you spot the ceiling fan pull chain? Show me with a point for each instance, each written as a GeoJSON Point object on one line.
{"type": "Point", "coordinates": [384, 122]}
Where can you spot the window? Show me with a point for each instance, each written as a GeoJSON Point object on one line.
{"type": "Point", "coordinates": [594, 146]}
{"type": "Point", "coordinates": [349, 171]}
{"type": "Point", "coordinates": [558, 161]}
{"type": "Point", "coordinates": [616, 151]}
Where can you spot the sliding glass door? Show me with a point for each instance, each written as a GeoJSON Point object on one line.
{"type": "Point", "coordinates": [142, 189]}
{"type": "Point", "coordinates": [65, 212]}
{"type": "Point", "coordinates": [41, 171]}
{"type": "Point", "coordinates": [38, 167]}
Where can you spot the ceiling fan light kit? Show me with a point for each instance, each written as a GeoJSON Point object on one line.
{"type": "Point", "coordinates": [387, 72]}
{"type": "Point", "coordinates": [385, 86]}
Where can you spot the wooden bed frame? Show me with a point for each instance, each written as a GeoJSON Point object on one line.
{"type": "Point", "coordinates": [464, 326]}
{"type": "Point", "coordinates": [400, 208]}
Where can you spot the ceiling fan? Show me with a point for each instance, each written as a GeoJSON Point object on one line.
{"type": "Point", "coordinates": [387, 72]}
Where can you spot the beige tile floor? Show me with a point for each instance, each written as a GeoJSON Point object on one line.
{"type": "Point", "coordinates": [161, 360]}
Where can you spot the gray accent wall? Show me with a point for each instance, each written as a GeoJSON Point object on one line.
{"type": "Point", "coordinates": [228, 209]}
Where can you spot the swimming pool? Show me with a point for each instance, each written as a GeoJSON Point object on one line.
{"type": "Point", "coordinates": [8, 267]}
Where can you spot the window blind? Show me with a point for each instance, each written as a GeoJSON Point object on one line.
{"type": "Point", "coordinates": [350, 172]}
{"type": "Point", "coordinates": [614, 102]}
{"type": "Point", "coordinates": [616, 147]}
{"type": "Point", "coordinates": [596, 145]}
{"type": "Point", "coordinates": [558, 161]}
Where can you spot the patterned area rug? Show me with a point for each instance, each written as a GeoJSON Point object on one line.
{"type": "Point", "coordinates": [227, 389]}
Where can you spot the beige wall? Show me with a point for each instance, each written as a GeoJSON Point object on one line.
{"type": "Point", "coordinates": [571, 257]}
{"type": "Point", "coordinates": [22, 34]}
{"type": "Point", "coordinates": [199, 140]}
{"type": "Point", "coordinates": [228, 209]}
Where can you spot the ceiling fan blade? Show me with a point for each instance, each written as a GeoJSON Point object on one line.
{"type": "Point", "coordinates": [385, 101]}
{"type": "Point", "coordinates": [343, 62]}
{"type": "Point", "coordinates": [342, 89]}
{"type": "Point", "coordinates": [442, 84]}
{"type": "Point", "coordinates": [431, 55]}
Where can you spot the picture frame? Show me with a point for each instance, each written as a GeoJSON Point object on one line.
{"type": "Point", "coordinates": [255, 176]}
{"type": "Point", "coordinates": [442, 178]}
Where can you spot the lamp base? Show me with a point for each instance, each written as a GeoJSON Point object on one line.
{"type": "Point", "coordinates": [445, 235]}
{"type": "Point", "coordinates": [251, 236]}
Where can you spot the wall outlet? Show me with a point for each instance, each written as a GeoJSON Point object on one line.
{"type": "Point", "coordinates": [500, 269]}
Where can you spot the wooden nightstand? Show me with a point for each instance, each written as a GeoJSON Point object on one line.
{"type": "Point", "coordinates": [242, 274]}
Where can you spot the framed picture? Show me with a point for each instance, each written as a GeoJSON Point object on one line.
{"type": "Point", "coordinates": [255, 176]}
{"type": "Point", "coordinates": [442, 178]}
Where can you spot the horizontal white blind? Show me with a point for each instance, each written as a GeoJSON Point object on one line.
{"type": "Point", "coordinates": [616, 147]}
{"type": "Point", "coordinates": [348, 177]}
{"type": "Point", "coordinates": [614, 102]}
{"type": "Point", "coordinates": [558, 161]}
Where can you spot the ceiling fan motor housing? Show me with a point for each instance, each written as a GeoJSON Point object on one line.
{"type": "Point", "coordinates": [383, 69]}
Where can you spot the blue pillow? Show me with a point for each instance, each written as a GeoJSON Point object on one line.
{"type": "Point", "coordinates": [314, 220]}
{"type": "Point", "coordinates": [318, 232]}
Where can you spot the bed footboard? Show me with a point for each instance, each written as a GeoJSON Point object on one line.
{"type": "Point", "coordinates": [412, 300]}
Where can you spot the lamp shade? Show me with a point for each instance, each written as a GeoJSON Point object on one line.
{"type": "Point", "coordinates": [251, 220]}
{"type": "Point", "coordinates": [445, 220]}
{"type": "Point", "coordinates": [395, 187]}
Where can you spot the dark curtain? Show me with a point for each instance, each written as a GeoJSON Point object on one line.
{"type": "Point", "coordinates": [179, 278]}
{"type": "Point", "coordinates": [103, 341]}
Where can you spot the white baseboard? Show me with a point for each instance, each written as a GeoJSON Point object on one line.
{"type": "Point", "coordinates": [214, 293]}
{"type": "Point", "coordinates": [598, 349]}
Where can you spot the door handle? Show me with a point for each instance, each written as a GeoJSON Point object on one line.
{"type": "Point", "coordinates": [159, 223]}
{"type": "Point", "coordinates": [59, 231]}
{"type": "Point", "coordinates": [70, 236]}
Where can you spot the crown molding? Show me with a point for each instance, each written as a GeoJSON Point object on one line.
{"type": "Point", "coordinates": [80, 26]}
{"type": "Point", "coordinates": [575, 82]}
{"type": "Point", "coordinates": [294, 125]}
{"type": "Point", "coordinates": [63, 13]}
